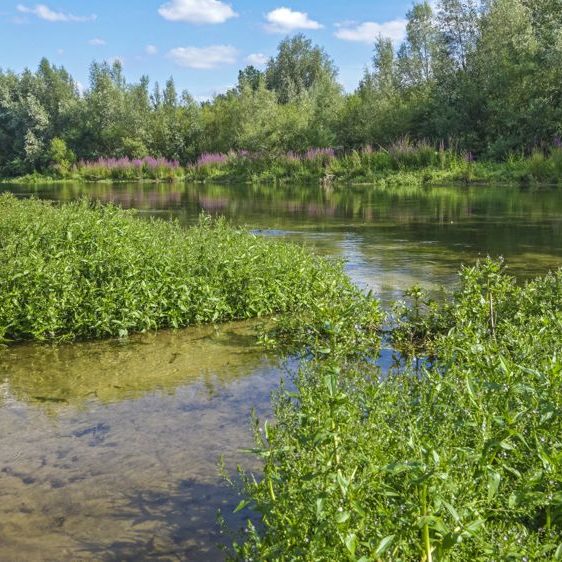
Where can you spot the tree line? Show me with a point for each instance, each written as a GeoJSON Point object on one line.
{"type": "Point", "coordinates": [482, 75]}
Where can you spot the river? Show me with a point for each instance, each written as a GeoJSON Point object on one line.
{"type": "Point", "coordinates": [109, 450]}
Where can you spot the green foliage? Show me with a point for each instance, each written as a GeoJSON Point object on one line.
{"type": "Point", "coordinates": [404, 162]}
{"type": "Point", "coordinates": [87, 271]}
{"type": "Point", "coordinates": [461, 460]}
{"type": "Point", "coordinates": [60, 156]}
{"type": "Point", "coordinates": [297, 68]}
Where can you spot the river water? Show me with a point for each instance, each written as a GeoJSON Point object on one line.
{"type": "Point", "coordinates": [109, 450]}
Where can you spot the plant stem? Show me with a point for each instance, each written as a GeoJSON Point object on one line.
{"type": "Point", "coordinates": [425, 528]}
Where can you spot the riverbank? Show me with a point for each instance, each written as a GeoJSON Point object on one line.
{"type": "Point", "coordinates": [85, 271]}
{"type": "Point", "coordinates": [403, 164]}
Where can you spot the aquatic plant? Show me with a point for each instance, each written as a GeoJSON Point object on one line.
{"type": "Point", "coordinates": [461, 460]}
{"type": "Point", "coordinates": [84, 270]}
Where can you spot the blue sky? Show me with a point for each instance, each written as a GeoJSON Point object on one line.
{"type": "Point", "coordinates": [202, 43]}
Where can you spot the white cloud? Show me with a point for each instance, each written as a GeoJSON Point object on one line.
{"type": "Point", "coordinates": [45, 13]}
{"type": "Point", "coordinates": [368, 32]}
{"type": "Point", "coordinates": [208, 95]}
{"type": "Point", "coordinates": [204, 57]}
{"type": "Point", "coordinates": [197, 11]}
{"type": "Point", "coordinates": [257, 59]}
{"type": "Point", "coordinates": [151, 50]}
{"type": "Point", "coordinates": [97, 42]}
{"type": "Point", "coordinates": [283, 20]}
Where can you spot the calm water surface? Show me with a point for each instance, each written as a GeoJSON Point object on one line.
{"type": "Point", "coordinates": [108, 450]}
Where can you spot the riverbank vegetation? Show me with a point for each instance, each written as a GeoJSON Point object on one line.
{"type": "Point", "coordinates": [457, 459]}
{"type": "Point", "coordinates": [479, 79]}
{"type": "Point", "coordinates": [83, 270]}
{"type": "Point", "coordinates": [404, 163]}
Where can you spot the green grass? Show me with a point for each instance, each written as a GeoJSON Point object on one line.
{"type": "Point", "coordinates": [83, 270]}
{"type": "Point", "coordinates": [458, 460]}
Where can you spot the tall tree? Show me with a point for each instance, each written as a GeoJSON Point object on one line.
{"type": "Point", "coordinates": [459, 22]}
{"type": "Point", "coordinates": [297, 67]}
{"type": "Point", "coordinates": [417, 55]}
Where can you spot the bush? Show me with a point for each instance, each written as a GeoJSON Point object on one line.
{"type": "Point", "coordinates": [459, 460]}
{"type": "Point", "coordinates": [539, 166]}
{"type": "Point", "coordinates": [61, 157]}
{"type": "Point", "coordinates": [84, 270]}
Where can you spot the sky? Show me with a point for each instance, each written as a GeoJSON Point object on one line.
{"type": "Point", "coordinates": [201, 43]}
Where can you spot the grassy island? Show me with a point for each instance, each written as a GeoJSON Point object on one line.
{"type": "Point", "coordinates": [83, 270]}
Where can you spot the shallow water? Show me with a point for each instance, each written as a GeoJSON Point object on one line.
{"type": "Point", "coordinates": [109, 450]}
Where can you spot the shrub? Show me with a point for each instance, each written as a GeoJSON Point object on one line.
{"type": "Point", "coordinates": [84, 270]}
{"type": "Point", "coordinates": [61, 157]}
{"type": "Point", "coordinates": [459, 460]}
{"type": "Point", "coordinates": [539, 167]}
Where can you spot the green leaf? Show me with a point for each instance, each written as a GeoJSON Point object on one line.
{"type": "Point", "coordinates": [319, 507]}
{"type": "Point", "coordinates": [342, 516]}
{"type": "Point", "coordinates": [343, 483]}
{"type": "Point", "coordinates": [454, 513]}
{"type": "Point", "coordinates": [475, 526]}
{"type": "Point", "coordinates": [351, 543]}
{"type": "Point", "coordinates": [241, 506]}
{"type": "Point", "coordinates": [384, 545]}
{"type": "Point", "coordinates": [494, 479]}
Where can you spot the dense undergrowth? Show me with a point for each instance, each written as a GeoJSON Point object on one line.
{"type": "Point", "coordinates": [460, 460]}
{"type": "Point", "coordinates": [402, 164]}
{"type": "Point", "coordinates": [83, 270]}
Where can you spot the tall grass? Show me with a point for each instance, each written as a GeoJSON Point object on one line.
{"type": "Point", "coordinates": [119, 169]}
{"type": "Point", "coordinates": [403, 163]}
{"type": "Point", "coordinates": [84, 270]}
{"type": "Point", "coordinates": [458, 461]}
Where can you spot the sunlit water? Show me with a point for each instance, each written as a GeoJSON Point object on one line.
{"type": "Point", "coordinates": [109, 450]}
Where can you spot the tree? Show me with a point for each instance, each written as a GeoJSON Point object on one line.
{"type": "Point", "coordinates": [459, 23]}
{"type": "Point", "coordinates": [297, 67]}
{"type": "Point", "coordinates": [384, 67]}
{"type": "Point", "coordinates": [170, 97]}
{"type": "Point", "coordinates": [422, 46]}
{"type": "Point", "coordinates": [249, 76]}
{"type": "Point", "coordinates": [506, 69]}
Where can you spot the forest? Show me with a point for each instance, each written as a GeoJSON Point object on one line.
{"type": "Point", "coordinates": [481, 76]}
